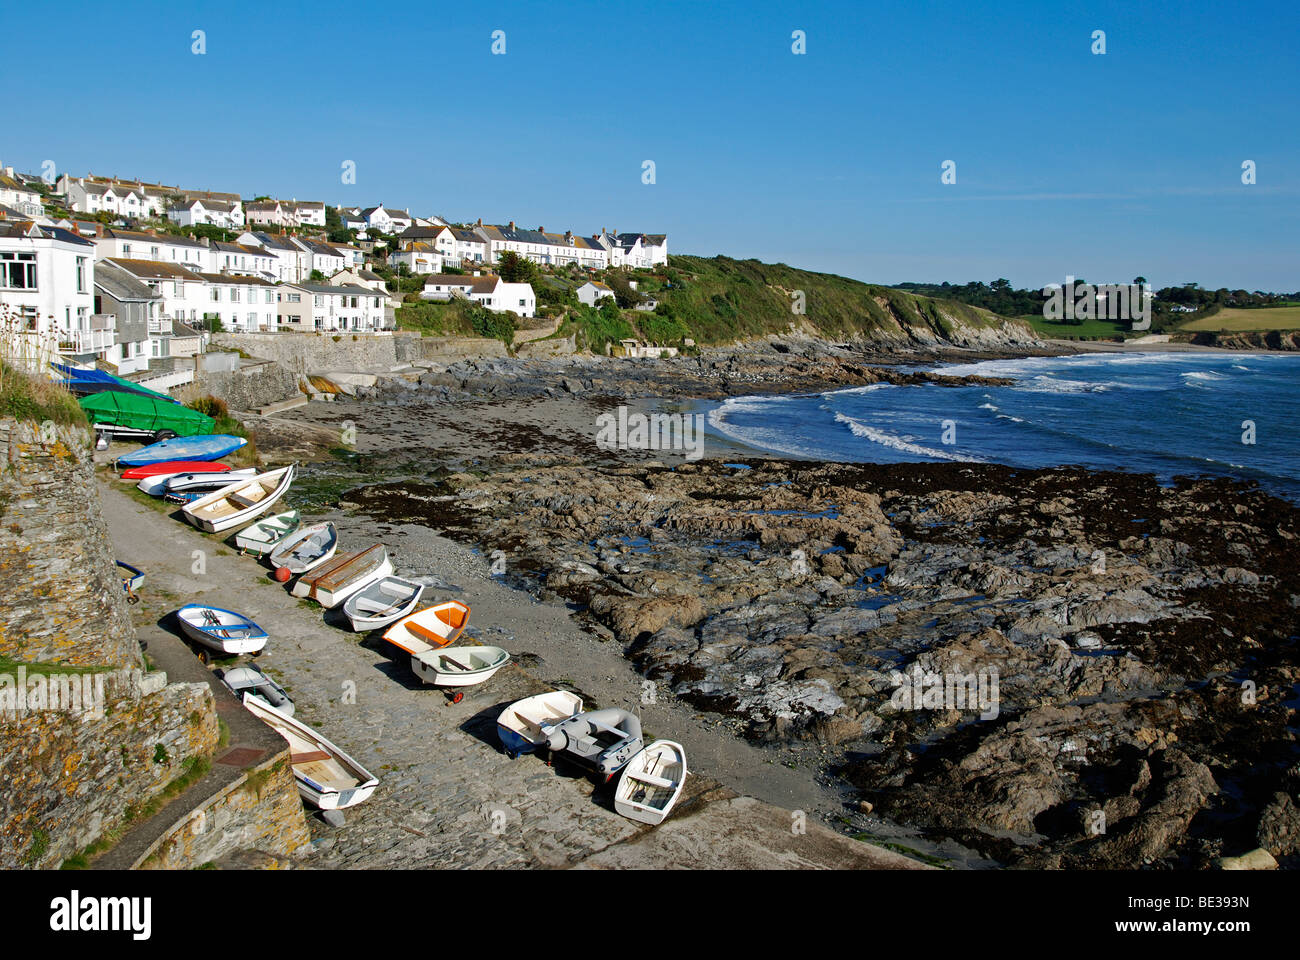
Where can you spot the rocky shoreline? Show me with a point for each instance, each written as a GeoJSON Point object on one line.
{"type": "Point", "coordinates": [1142, 635]}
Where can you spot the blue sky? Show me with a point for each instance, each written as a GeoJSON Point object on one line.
{"type": "Point", "coordinates": [1104, 167]}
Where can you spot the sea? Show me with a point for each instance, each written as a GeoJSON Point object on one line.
{"type": "Point", "coordinates": [1164, 413]}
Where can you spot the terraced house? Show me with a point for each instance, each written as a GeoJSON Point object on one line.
{"type": "Point", "coordinates": [324, 307]}
{"type": "Point", "coordinates": [241, 303]}
{"type": "Point", "coordinates": [187, 252]}
{"type": "Point", "coordinates": [18, 196]}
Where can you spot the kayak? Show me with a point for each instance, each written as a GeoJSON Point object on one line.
{"type": "Point", "coordinates": [206, 447]}
{"type": "Point", "coordinates": [174, 466]}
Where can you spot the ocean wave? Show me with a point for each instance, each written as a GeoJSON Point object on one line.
{"type": "Point", "coordinates": [860, 429]}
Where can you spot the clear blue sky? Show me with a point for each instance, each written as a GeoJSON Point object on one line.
{"type": "Point", "coordinates": [1103, 167]}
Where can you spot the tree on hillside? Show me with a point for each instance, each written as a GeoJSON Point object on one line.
{"type": "Point", "coordinates": [513, 268]}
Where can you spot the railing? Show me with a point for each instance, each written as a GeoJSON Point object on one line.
{"type": "Point", "coordinates": [74, 342]}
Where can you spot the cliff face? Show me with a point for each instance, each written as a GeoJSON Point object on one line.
{"type": "Point", "coordinates": [60, 596]}
{"type": "Point", "coordinates": [721, 300]}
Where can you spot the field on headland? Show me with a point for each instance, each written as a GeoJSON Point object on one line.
{"type": "Point", "coordinates": [1234, 318]}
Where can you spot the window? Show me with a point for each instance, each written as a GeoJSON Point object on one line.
{"type": "Point", "coordinates": [18, 271]}
{"type": "Point", "coordinates": [153, 253]}
{"type": "Point", "coordinates": [295, 298]}
{"type": "Point", "coordinates": [81, 274]}
{"type": "Point", "coordinates": [216, 294]}
{"type": "Point", "coordinates": [126, 251]}
{"type": "Point", "coordinates": [234, 294]}
{"type": "Point", "coordinates": [318, 301]}
{"type": "Point", "coordinates": [270, 296]}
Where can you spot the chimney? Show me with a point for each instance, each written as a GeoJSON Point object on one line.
{"type": "Point", "coordinates": [512, 224]}
{"type": "Point", "coordinates": [99, 230]}
{"type": "Point", "coordinates": [540, 228]}
{"type": "Point", "coordinates": [480, 222]}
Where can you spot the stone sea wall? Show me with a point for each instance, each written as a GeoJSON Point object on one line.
{"type": "Point", "coordinates": [69, 777]}
{"type": "Point", "coordinates": [260, 811]}
{"type": "Point", "coordinates": [249, 386]}
{"type": "Point", "coordinates": [61, 598]}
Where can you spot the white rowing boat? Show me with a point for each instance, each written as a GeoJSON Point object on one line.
{"type": "Point", "coordinates": [222, 630]}
{"type": "Point", "coordinates": [381, 603]}
{"type": "Point", "coordinates": [239, 502]}
{"type": "Point", "coordinates": [306, 548]}
{"type": "Point", "coordinates": [458, 666]}
{"type": "Point", "coordinates": [526, 724]}
{"type": "Point", "coordinates": [651, 782]}
{"type": "Point", "coordinates": [327, 777]}
{"type": "Point", "coordinates": [332, 583]}
{"type": "Point", "coordinates": [261, 538]}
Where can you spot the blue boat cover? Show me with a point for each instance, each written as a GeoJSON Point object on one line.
{"type": "Point", "coordinates": [209, 447]}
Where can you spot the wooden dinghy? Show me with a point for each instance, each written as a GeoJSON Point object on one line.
{"type": "Point", "coordinates": [333, 582]}
{"type": "Point", "coordinates": [222, 630]}
{"type": "Point", "coordinates": [260, 538]}
{"type": "Point", "coordinates": [240, 502]}
{"type": "Point", "coordinates": [327, 777]}
{"type": "Point", "coordinates": [430, 628]}
{"type": "Point", "coordinates": [304, 549]}
{"type": "Point", "coordinates": [651, 782]}
{"type": "Point", "coordinates": [458, 666]}
{"type": "Point", "coordinates": [383, 602]}
{"type": "Point", "coordinates": [526, 724]}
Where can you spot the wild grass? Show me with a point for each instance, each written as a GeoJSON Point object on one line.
{"type": "Point", "coordinates": [24, 396]}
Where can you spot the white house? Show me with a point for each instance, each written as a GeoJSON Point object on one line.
{"type": "Point", "coordinates": [501, 297]}
{"type": "Point", "coordinates": [387, 220]}
{"type": "Point", "coordinates": [241, 303]}
{"type": "Point", "coordinates": [47, 296]}
{"type": "Point", "coordinates": [292, 263]}
{"type": "Point", "coordinates": [188, 252]}
{"type": "Point", "coordinates": [284, 213]}
{"type": "Point", "coordinates": [444, 286]}
{"type": "Point", "coordinates": [17, 195]}
{"type": "Point", "coordinates": [321, 256]}
{"type": "Point", "coordinates": [634, 249]}
{"type": "Point", "coordinates": [592, 293]}
{"type": "Point", "coordinates": [245, 258]}
{"type": "Point", "coordinates": [418, 257]}
{"type": "Point", "coordinates": [219, 213]}
{"type": "Point", "coordinates": [323, 307]}
{"type": "Point", "coordinates": [184, 293]}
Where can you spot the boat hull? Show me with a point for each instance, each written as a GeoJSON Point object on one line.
{"type": "Point", "coordinates": [251, 642]}
{"type": "Point", "coordinates": [282, 555]}
{"type": "Point", "coordinates": [263, 536]}
{"type": "Point", "coordinates": [432, 668]}
{"type": "Point", "coordinates": [203, 448]}
{"type": "Point", "coordinates": [519, 725]}
{"type": "Point", "coordinates": [198, 513]}
{"type": "Point", "coordinates": [173, 467]}
{"type": "Point", "coordinates": [362, 621]}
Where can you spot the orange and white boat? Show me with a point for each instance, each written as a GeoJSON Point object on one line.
{"type": "Point", "coordinates": [430, 628]}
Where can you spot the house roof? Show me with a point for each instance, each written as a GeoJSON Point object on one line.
{"type": "Point", "coordinates": [184, 330]}
{"type": "Point", "coordinates": [120, 285]}
{"type": "Point", "coordinates": [277, 241]}
{"type": "Point", "coordinates": [236, 278]}
{"type": "Point", "coordinates": [13, 183]}
{"type": "Point", "coordinates": [350, 289]}
{"type": "Point", "coordinates": [27, 229]}
{"type": "Point", "coordinates": [145, 237]}
{"type": "Point", "coordinates": [154, 269]}
{"type": "Point", "coordinates": [421, 233]}
{"type": "Point", "coordinates": [449, 280]}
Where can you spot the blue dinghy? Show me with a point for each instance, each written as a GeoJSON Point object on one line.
{"type": "Point", "coordinates": [210, 447]}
